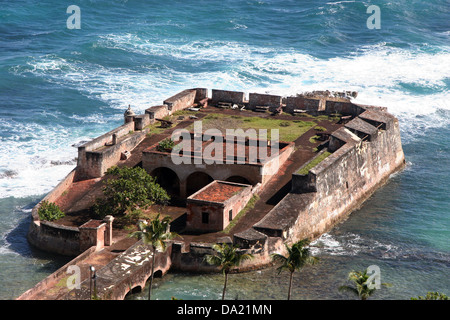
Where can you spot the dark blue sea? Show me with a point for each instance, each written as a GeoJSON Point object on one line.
{"type": "Point", "coordinates": [60, 86]}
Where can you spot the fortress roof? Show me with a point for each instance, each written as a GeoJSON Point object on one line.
{"type": "Point", "coordinates": [219, 191]}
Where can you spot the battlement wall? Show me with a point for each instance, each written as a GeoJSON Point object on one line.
{"type": "Point", "coordinates": [340, 183]}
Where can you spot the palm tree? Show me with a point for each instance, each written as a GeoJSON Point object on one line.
{"type": "Point", "coordinates": [226, 257]}
{"type": "Point", "coordinates": [156, 235]}
{"type": "Point", "coordinates": [361, 287]}
{"type": "Point", "coordinates": [298, 256]}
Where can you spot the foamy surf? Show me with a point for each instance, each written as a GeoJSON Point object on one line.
{"type": "Point", "coordinates": [382, 75]}
{"type": "Point", "coordinates": [350, 244]}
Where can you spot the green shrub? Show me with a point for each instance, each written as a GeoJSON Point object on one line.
{"type": "Point", "coordinates": [166, 144]}
{"type": "Point", "coordinates": [129, 189]}
{"type": "Point", "coordinates": [49, 211]}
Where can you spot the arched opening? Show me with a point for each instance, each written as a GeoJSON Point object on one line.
{"type": "Point", "coordinates": [238, 179]}
{"type": "Point", "coordinates": [136, 289]}
{"type": "Point", "coordinates": [196, 181]}
{"type": "Point", "coordinates": [167, 179]}
{"type": "Point", "coordinates": [157, 274]}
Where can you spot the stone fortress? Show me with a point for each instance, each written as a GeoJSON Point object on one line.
{"type": "Point", "coordinates": [362, 150]}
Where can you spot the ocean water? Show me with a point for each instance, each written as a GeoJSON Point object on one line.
{"type": "Point", "coordinates": [60, 86]}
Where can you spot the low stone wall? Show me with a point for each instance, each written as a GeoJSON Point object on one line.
{"type": "Point", "coordinates": [130, 270]}
{"type": "Point", "coordinates": [157, 112]}
{"type": "Point", "coordinates": [90, 161]}
{"type": "Point", "coordinates": [234, 97]}
{"type": "Point", "coordinates": [49, 236]}
{"type": "Point", "coordinates": [94, 164]}
{"type": "Point", "coordinates": [272, 166]}
{"type": "Point", "coordinates": [191, 257]}
{"type": "Point", "coordinates": [180, 101]}
{"type": "Point", "coordinates": [302, 103]}
{"type": "Point", "coordinates": [263, 100]}
{"type": "Point", "coordinates": [49, 281]}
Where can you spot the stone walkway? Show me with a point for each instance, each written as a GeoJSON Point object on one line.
{"type": "Point", "coordinates": [57, 287]}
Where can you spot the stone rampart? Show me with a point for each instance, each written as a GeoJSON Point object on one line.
{"type": "Point", "coordinates": [234, 97]}
{"type": "Point", "coordinates": [50, 280]}
{"type": "Point", "coordinates": [182, 100]}
{"type": "Point", "coordinates": [364, 153]}
{"type": "Point", "coordinates": [127, 272]}
{"type": "Point", "coordinates": [337, 185]}
{"type": "Point", "coordinates": [256, 100]}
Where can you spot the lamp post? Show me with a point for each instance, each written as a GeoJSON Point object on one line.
{"type": "Point", "coordinates": [92, 276]}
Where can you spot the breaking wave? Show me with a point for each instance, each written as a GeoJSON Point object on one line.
{"type": "Point", "coordinates": [412, 84]}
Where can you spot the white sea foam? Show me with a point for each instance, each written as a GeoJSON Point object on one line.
{"type": "Point", "coordinates": [351, 244]}
{"type": "Point", "coordinates": [382, 75]}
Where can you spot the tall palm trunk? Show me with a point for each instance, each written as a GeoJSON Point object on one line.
{"type": "Point", "coordinates": [290, 285]}
{"type": "Point", "coordinates": [225, 286]}
{"type": "Point", "coordinates": [151, 276]}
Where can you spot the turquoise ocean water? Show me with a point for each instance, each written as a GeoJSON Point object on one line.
{"type": "Point", "coordinates": [60, 86]}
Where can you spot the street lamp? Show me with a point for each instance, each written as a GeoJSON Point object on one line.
{"type": "Point", "coordinates": [92, 276]}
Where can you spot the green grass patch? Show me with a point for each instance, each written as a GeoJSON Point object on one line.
{"type": "Point", "coordinates": [313, 139]}
{"type": "Point", "coordinates": [250, 205]}
{"type": "Point", "coordinates": [155, 129]}
{"type": "Point", "coordinates": [320, 128]}
{"type": "Point", "coordinates": [289, 130]}
{"type": "Point", "coordinates": [304, 170]}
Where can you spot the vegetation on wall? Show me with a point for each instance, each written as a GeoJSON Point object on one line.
{"type": "Point", "coordinates": [305, 169]}
{"type": "Point", "coordinates": [49, 211]}
{"type": "Point", "coordinates": [165, 145]}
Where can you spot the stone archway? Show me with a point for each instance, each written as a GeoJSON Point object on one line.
{"type": "Point", "coordinates": [197, 180]}
{"type": "Point", "coordinates": [238, 179]}
{"type": "Point", "coordinates": [168, 179]}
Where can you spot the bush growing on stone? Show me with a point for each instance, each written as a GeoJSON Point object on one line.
{"type": "Point", "coordinates": [166, 144]}
{"type": "Point", "coordinates": [129, 189]}
{"type": "Point", "coordinates": [49, 211]}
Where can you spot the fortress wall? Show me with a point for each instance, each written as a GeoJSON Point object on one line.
{"type": "Point", "coordinates": [328, 105]}
{"type": "Point", "coordinates": [89, 163]}
{"type": "Point", "coordinates": [236, 97]}
{"type": "Point", "coordinates": [272, 166]}
{"type": "Point", "coordinates": [302, 103]}
{"type": "Point", "coordinates": [93, 164]}
{"type": "Point", "coordinates": [54, 238]}
{"type": "Point", "coordinates": [62, 186]}
{"type": "Point", "coordinates": [181, 100]}
{"type": "Point", "coordinates": [200, 94]}
{"type": "Point", "coordinates": [345, 179]}
{"type": "Point", "coordinates": [117, 282]}
{"type": "Point", "coordinates": [50, 236]}
{"type": "Point", "coordinates": [338, 185]}
{"type": "Point", "coordinates": [48, 282]}
{"type": "Point", "coordinates": [141, 121]}
{"type": "Point", "coordinates": [343, 107]}
{"type": "Point", "coordinates": [157, 112]}
{"type": "Point", "coordinates": [190, 257]}
{"type": "Point", "coordinates": [53, 195]}
{"type": "Point", "coordinates": [112, 155]}
{"type": "Point", "coordinates": [153, 160]}
{"type": "Point", "coordinates": [264, 100]}
{"type": "Point", "coordinates": [107, 137]}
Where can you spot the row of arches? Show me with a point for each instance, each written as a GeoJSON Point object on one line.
{"type": "Point", "coordinates": [168, 179]}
